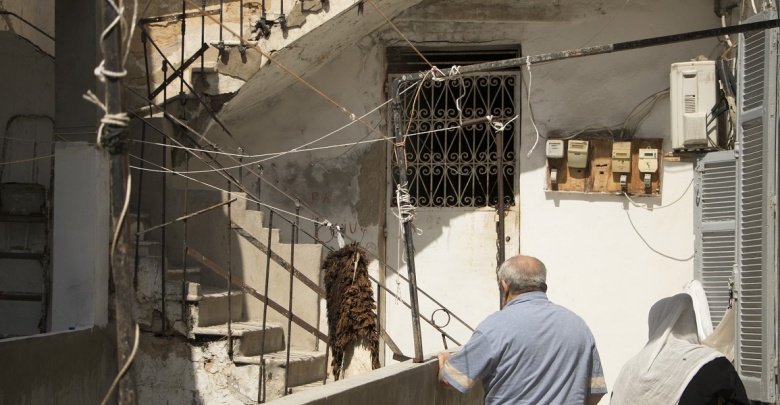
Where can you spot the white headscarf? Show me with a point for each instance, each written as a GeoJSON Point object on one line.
{"type": "Point", "coordinates": [659, 373]}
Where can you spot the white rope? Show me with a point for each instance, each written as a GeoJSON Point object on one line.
{"type": "Point", "coordinates": [100, 71]}
{"type": "Point", "coordinates": [118, 119]}
{"type": "Point", "coordinates": [404, 215]}
{"type": "Point", "coordinates": [404, 202]}
{"type": "Point", "coordinates": [437, 75]}
{"type": "Point", "coordinates": [497, 125]}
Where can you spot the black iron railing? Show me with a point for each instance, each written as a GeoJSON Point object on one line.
{"type": "Point", "coordinates": [260, 174]}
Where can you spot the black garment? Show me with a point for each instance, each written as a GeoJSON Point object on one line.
{"type": "Point", "coordinates": [716, 380]}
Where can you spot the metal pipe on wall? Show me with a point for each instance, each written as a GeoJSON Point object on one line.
{"type": "Point", "coordinates": [400, 156]}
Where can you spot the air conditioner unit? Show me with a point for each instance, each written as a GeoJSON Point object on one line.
{"type": "Point", "coordinates": [692, 92]}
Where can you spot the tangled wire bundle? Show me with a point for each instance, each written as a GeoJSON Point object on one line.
{"type": "Point", "coordinates": [350, 304]}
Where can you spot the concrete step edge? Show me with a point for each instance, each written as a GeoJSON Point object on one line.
{"type": "Point", "coordinates": [280, 357]}
{"type": "Point", "coordinates": [239, 328]}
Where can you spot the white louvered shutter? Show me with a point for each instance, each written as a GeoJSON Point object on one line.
{"type": "Point", "coordinates": [715, 227]}
{"type": "Point", "coordinates": [755, 354]}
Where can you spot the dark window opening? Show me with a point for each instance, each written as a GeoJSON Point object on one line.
{"type": "Point", "coordinates": [449, 166]}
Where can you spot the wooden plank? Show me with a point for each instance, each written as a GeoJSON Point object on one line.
{"type": "Point", "coordinates": [600, 177]}
{"type": "Point", "coordinates": [278, 259]}
{"type": "Point", "coordinates": [251, 291]}
{"type": "Point", "coordinates": [636, 186]}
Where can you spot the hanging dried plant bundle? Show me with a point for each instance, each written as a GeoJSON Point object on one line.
{"type": "Point", "coordinates": [350, 304]}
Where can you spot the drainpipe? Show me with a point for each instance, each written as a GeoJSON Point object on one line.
{"type": "Point", "coordinates": [400, 154]}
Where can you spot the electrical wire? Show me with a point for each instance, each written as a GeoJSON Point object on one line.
{"type": "Point", "coordinates": [237, 195]}
{"type": "Point", "coordinates": [124, 369]}
{"type": "Point", "coordinates": [533, 121]}
{"type": "Point", "coordinates": [646, 206]}
{"type": "Point", "coordinates": [276, 154]}
{"type": "Point", "coordinates": [650, 246]}
{"type": "Point", "coordinates": [624, 130]}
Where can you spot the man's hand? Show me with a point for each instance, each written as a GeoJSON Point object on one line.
{"type": "Point", "coordinates": [443, 357]}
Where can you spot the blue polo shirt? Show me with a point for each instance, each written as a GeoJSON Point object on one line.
{"type": "Point", "coordinates": [530, 352]}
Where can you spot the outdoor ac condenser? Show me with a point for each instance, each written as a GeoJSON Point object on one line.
{"type": "Point", "coordinates": [692, 90]}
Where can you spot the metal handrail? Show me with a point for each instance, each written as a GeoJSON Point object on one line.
{"type": "Point", "coordinates": [295, 226]}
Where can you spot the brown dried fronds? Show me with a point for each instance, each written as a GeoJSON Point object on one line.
{"type": "Point", "coordinates": [350, 304]}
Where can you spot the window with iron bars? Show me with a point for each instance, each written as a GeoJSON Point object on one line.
{"type": "Point", "coordinates": [453, 166]}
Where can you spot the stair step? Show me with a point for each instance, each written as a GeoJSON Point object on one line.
{"type": "Point", "coordinates": [248, 336]}
{"type": "Point", "coordinates": [132, 222]}
{"type": "Point", "coordinates": [305, 367]}
{"type": "Point", "coordinates": [315, 384]}
{"type": "Point", "coordinates": [176, 273]}
{"type": "Point", "coordinates": [148, 247]}
{"type": "Point", "coordinates": [212, 309]}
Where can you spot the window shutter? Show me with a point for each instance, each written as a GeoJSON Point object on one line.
{"type": "Point", "coordinates": [715, 227]}
{"type": "Point", "coordinates": [756, 286]}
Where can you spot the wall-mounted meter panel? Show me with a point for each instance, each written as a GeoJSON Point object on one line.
{"type": "Point", "coordinates": [578, 154]}
{"type": "Point", "coordinates": [648, 160]}
{"type": "Point", "coordinates": [554, 148]}
{"type": "Point", "coordinates": [621, 157]}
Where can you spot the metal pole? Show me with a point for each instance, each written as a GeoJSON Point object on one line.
{"type": "Point", "coordinates": [400, 156]}
{"type": "Point", "coordinates": [114, 140]}
{"type": "Point", "coordinates": [290, 308]}
{"type": "Point", "coordinates": [138, 205]}
{"type": "Point", "coordinates": [202, 33]}
{"type": "Point", "coordinates": [221, 5]}
{"type": "Point", "coordinates": [602, 49]}
{"type": "Point", "coordinates": [230, 274]}
{"type": "Point", "coordinates": [162, 234]}
{"type": "Point", "coordinates": [241, 25]}
{"type": "Point", "coordinates": [184, 241]}
{"type": "Point", "coordinates": [261, 382]}
{"type": "Point", "coordinates": [500, 231]}
{"type": "Point", "coordinates": [500, 204]}
{"type": "Point", "coordinates": [182, 99]}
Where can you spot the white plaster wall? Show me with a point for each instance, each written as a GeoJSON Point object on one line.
{"type": "Point", "coordinates": [599, 266]}
{"type": "Point", "coordinates": [81, 237]}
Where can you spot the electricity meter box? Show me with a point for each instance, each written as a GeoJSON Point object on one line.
{"type": "Point", "coordinates": [648, 160]}
{"type": "Point", "coordinates": [554, 149]}
{"type": "Point", "coordinates": [692, 94]}
{"type": "Point", "coordinates": [621, 157]}
{"type": "Point", "coordinates": [577, 154]}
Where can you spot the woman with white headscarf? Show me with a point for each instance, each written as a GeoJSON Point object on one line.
{"type": "Point", "coordinates": [674, 368]}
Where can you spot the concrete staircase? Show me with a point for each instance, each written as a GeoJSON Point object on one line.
{"type": "Point", "coordinates": [214, 346]}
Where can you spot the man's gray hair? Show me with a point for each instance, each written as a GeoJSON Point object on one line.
{"type": "Point", "coordinates": [523, 274]}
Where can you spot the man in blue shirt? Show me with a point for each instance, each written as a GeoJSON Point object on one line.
{"type": "Point", "coordinates": [531, 351]}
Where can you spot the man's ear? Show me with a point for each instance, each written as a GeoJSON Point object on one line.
{"type": "Point", "coordinates": [504, 285]}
